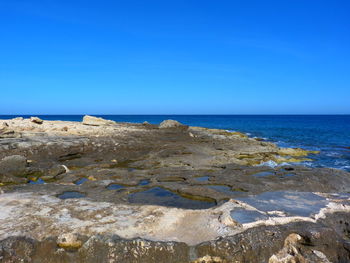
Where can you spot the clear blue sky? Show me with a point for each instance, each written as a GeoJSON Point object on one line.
{"type": "Point", "coordinates": [174, 57]}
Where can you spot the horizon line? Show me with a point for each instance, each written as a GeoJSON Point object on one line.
{"type": "Point", "coordinates": [176, 114]}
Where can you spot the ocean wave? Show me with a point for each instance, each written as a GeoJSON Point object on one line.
{"type": "Point", "coordinates": [310, 164]}
{"type": "Point", "coordinates": [273, 164]}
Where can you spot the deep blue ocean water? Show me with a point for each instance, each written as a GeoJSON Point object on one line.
{"type": "Point", "coordinates": [328, 133]}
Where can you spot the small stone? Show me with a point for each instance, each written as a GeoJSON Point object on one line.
{"type": "Point", "coordinates": [36, 120]}
{"type": "Point", "coordinates": [91, 178]}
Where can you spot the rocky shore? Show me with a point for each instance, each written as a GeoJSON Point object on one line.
{"type": "Point", "coordinates": [101, 191]}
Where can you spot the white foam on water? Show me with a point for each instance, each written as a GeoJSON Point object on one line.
{"type": "Point", "coordinates": [333, 154]}
{"type": "Point", "coordinates": [341, 162]}
{"type": "Point", "coordinates": [268, 163]}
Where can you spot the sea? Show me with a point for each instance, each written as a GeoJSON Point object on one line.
{"type": "Point", "coordinates": [329, 134]}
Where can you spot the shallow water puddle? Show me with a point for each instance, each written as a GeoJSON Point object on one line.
{"type": "Point", "coordinates": [71, 194]}
{"type": "Point", "coordinates": [291, 203]}
{"type": "Point", "coordinates": [144, 182]}
{"type": "Point", "coordinates": [115, 186]}
{"type": "Point", "coordinates": [39, 181]}
{"type": "Point", "coordinates": [202, 179]}
{"type": "Point", "coordinates": [244, 216]}
{"type": "Point", "coordinates": [163, 197]}
{"type": "Point", "coordinates": [81, 181]}
{"type": "Point", "coordinates": [288, 175]}
{"type": "Point", "coordinates": [263, 174]}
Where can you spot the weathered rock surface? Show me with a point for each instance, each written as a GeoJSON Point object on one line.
{"type": "Point", "coordinates": [8, 133]}
{"type": "Point", "coordinates": [14, 164]}
{"type": "Point", "coordinates": [49, 224]}
{"type": "Point", "coordinates": [57, 170]}
{"type": "Point", "coordinates": [36, 120]}
{"type": "Point", "coordinates": [292, 252]}
{"type": "Point", "coordinates": [95, 121]}
{"type": "Point", "coordinates": [136, 193]}
{"type": "Point", "coordinates": [171, 124]}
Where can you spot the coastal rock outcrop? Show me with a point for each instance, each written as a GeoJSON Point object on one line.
{"type": "Point", "coordinates": [295, 152]}
{"type": "Point", "coordinates": [96, 121]}
{"type": "Point", "coordinates": [101, 192]}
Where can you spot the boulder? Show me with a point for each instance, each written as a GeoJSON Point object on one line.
{"type": "Point", "coordinates": [36, 120]}
{"type": "Point", "coordinates": [14, 164]}
{"type": "Point", "coordinates": [171, 124]}
{"type": "Point", "coordinates": [95, 121]}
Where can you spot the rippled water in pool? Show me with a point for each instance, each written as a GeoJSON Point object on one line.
{"type": "Point", "coordinates": [163, 197]}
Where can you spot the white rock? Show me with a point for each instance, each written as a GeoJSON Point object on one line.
{"type": "Point", "coordinates": [95, 121]}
